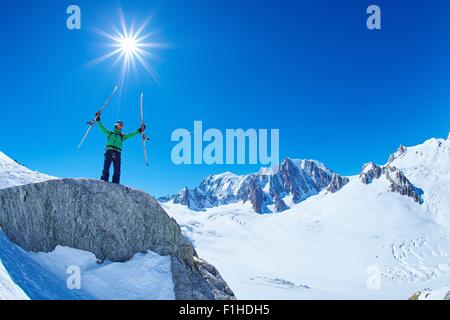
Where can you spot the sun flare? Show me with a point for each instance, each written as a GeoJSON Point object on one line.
{"type": "Point", "coordinates": [132, 48]}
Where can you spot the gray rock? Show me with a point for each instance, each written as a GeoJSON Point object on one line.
{"type": "Point", "coordinates": [398, 181]}
{"type": "Point", "coordinates": [401, 150]}
{"type": "Point", "coordinates": [303, 179]}
{"type": "Point", "coordinates": [192, 285]}
{"type": "Point", "coordinates": [256, 195]}
{"type": "Point", "coordinates": [400, 184]}
{"type": "Point", "coordinates": [280, 205]}
{"type": "Point", "coordinates": [221, 290]}
{"type": "Point", "coordinates": [370, 171]}
{"type": "Point", "coordinates": [337, 183]}
{"type": "Point", "coordinates": [112, 221]}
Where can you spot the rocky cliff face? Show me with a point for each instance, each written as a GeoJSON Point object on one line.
{"type": "Point", "coordinates": [398, 181]}
{"type": "Point", "coordinates": [297, 178]}
{"type": "Point", "coordinates": [112, 221]}
{"type": "Point", "coordinates": [370, 171]}
{"type": "Point", "coordinates": [337, 183]}
{"type": "Point", "coordinates": [401, 184]}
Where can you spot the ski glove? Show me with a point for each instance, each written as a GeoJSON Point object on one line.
{"type": "Point", "coordinates": [97, 116]}
{"type": "Point", "coordinates": [142, 128]}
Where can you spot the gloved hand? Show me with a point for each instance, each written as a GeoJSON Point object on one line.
{"type": "Point", "coordinates": [97, 116]}
{"type": "Point", "coordinates": [142, 128]}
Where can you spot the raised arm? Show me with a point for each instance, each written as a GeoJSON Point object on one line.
{"type": "Point", "coordinates": [130, 135]}
{"type": "Point", "coordinates": [133, 134]}
{"type": "Point", "coordinates": [102, 127]}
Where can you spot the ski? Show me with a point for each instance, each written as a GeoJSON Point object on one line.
{"type": "Point", "coordinates": [92, 122]}
{"type": "Point", "coordinates": [144, 137]}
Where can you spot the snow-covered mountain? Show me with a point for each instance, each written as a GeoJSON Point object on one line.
{"type": "Point", "coordinates": [383, 235]}
{"type": "Point", "coordinates": [265, 189]}
{"type": "Point", "coordinates": [13, 174]}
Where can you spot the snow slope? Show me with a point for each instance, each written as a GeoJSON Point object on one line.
{"type": "Point", "coordinates": [428, 166]}
{"type": "Point", "coordinates": [8, 289]}
{"type": "Point", "coordinates": [333, 246]}
{"type": "Point", "coordinates": [14, 174]}
{"type": "Point", "coordinates": [44, 276]}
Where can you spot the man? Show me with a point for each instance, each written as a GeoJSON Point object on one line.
{"type": "Point", "coordinates": [114, 147]}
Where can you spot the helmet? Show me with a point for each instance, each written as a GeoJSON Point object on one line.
{"type": "Point", "coordinates": [118, 122]}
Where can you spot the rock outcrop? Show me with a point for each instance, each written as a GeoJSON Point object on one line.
{"type": "Point", "coordinates": [400, 151]}
{"type": "Point", "coordinates": [370, 171]}
{"type": "Point", "coordinates": [112, 221]}
{"type": "Point", "coordinates": [337, 183]}
{"type": "Point", "coordinates": [256, 195]}
{"type": "Point", "coordinates": [280, 205]}
{"type": "Point", "coordinates": [400, 184]}
{"type": "Point", "coordinates": [397, 180]}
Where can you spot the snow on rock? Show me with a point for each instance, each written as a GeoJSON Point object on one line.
{"type": "Point", "coordinates": [370, 171]}
{"type": "Point", "coordinates": [401, 150]}
{"type": "Point", "coordinates": [399, 183]}
{"type": "Point", "coordinates": [254, 193]}
{"type": "Point", "coordinates": [280, 205]}
{"type": "Point", "coordinates": [14, 174]}
{"type": "Point", "coordinates": [337, 183]}
{"type": "Point", "coordinates": [427, 166]}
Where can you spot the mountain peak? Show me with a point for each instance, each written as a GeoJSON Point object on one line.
{"type": "Point", "coordinates": [268, 186]}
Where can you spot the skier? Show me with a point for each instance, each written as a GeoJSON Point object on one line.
{"type": "Point", "coordinates": [114, 147]}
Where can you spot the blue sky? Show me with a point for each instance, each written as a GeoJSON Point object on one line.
{"type": "Point", "coordinates": [337, 91]}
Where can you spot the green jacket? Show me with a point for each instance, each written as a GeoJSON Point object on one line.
{"type": "Point", "coordinates": [115, 138]}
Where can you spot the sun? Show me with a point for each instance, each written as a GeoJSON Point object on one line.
{"type": "Point", "coordinates": [131, 48]}
{"type": "Point", "coordinates": [128, 45]}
